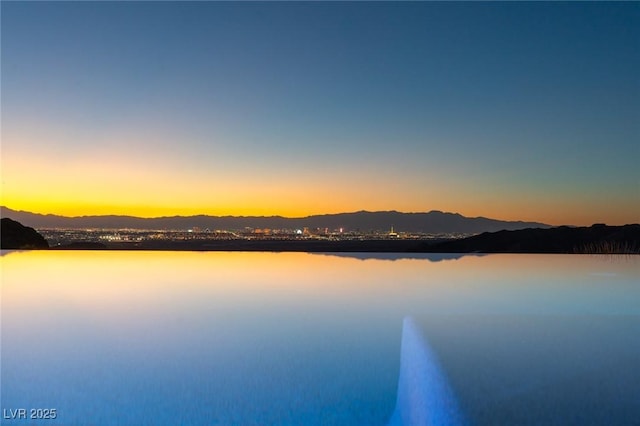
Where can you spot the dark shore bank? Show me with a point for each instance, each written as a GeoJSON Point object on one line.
{"type": "Point", "coordinates": [563, 239]}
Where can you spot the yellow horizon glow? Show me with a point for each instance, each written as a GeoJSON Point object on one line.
{"type": "Point", "coordinates": [116, 185]}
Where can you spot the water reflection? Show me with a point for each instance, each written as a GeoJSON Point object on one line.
{"type": "Point", "coordinates": [294, 338]}
{"type": "Point", "coordinates": [432, 257]}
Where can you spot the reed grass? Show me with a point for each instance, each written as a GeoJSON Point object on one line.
{"type": "Point", "coordinates": [608, 247]}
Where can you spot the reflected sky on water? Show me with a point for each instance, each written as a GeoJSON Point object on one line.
{"type": "Point", "coordinates": [110, 337]}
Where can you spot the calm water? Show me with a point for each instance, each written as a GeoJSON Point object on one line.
{"type": "Point", "coordinates": [153, 338]}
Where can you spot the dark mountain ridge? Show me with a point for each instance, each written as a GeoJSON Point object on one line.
{"type": "Point", "coordinates": [598, 238]}
{"type": "Point", "coordinates": [435, 222]}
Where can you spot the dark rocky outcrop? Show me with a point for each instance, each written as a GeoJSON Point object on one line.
{"type": "Point", "coordinates": [13, 235]}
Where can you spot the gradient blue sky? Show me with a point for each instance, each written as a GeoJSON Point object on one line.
{"type": "Point", "coordinates": [510, 110]}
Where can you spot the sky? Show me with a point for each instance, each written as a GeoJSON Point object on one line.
{"type": "Point", "coordinates": [515, 111]}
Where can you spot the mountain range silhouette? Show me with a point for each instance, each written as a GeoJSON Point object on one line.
{"type": "Point", "coordinates": [434, 222]}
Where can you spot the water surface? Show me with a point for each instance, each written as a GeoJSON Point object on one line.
{"type": "Point", "coordinates": [135, 338]}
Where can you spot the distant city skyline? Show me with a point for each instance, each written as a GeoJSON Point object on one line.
{"type": "Point", "coordinates": [513, 111]}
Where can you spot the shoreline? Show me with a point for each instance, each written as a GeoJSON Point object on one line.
{"type": "Point", "coordinates": [320, 246]}
{"type": "Point", "coordinates": [310, 246]}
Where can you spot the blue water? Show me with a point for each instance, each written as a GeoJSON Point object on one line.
{"type": "Point", "coordinates": [154, 338]}
{"type": "Point", "coordinates": [425, 396]}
